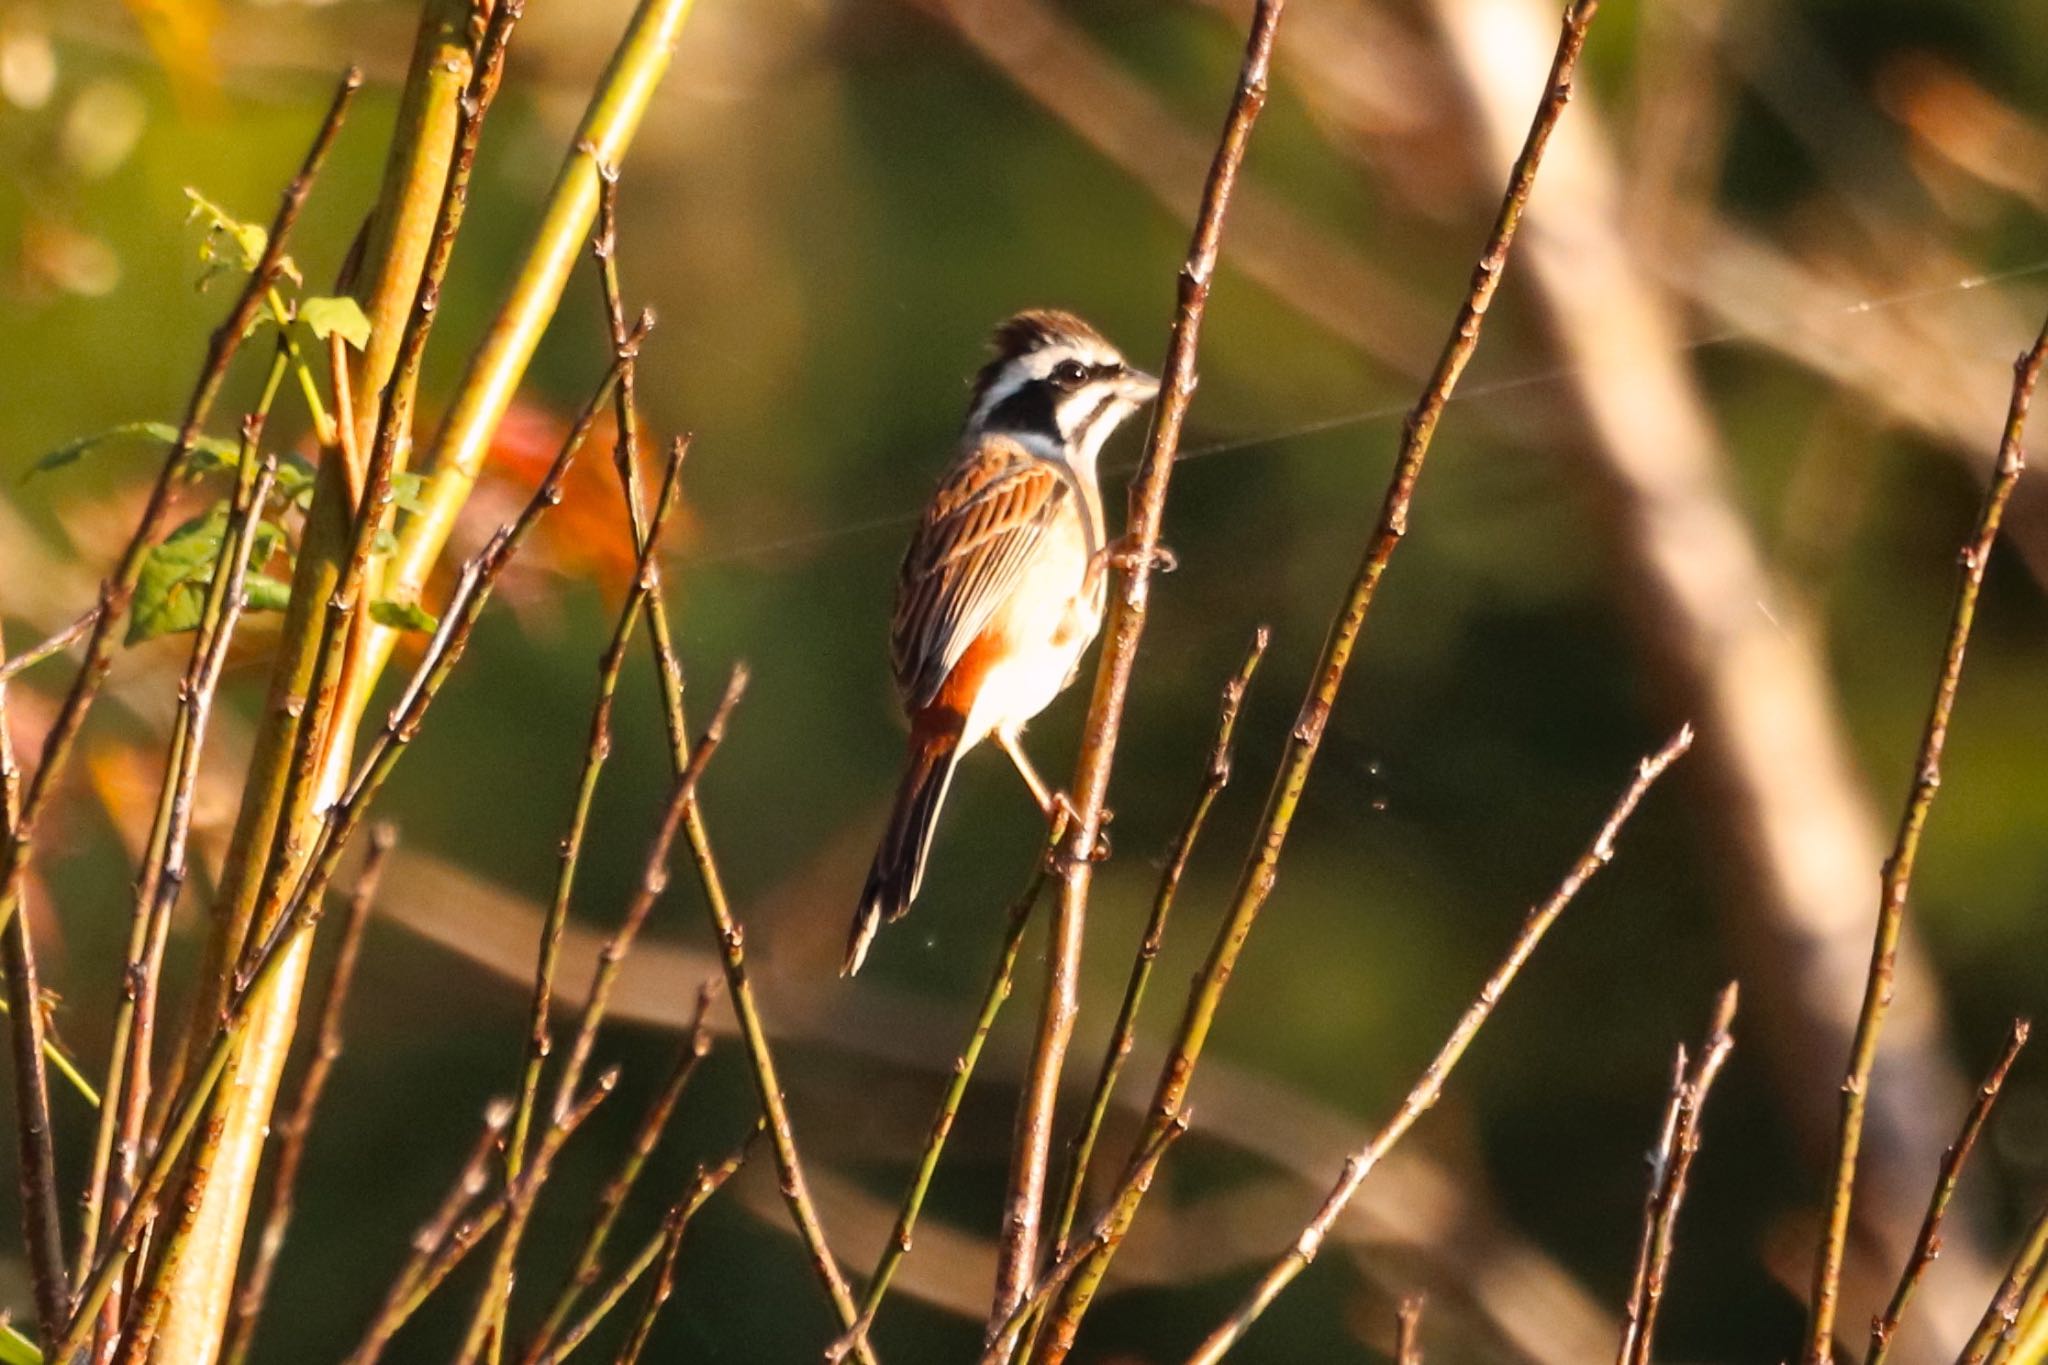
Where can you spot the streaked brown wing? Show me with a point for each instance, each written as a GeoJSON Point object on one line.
{"type": "Point", "coordinates": [977, 533]}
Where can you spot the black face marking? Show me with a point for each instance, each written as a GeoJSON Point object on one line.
{"type": "Point", "coordinates": [1030, 409]}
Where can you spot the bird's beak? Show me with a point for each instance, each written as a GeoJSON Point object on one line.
{"type": "Point", "coordinates": [1138, 387]}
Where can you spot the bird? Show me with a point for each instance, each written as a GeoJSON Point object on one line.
{"type": "Point", "coordinates": [1001, 589]}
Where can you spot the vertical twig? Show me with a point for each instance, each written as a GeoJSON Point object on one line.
{"type": "Point", "coordinates": [1408, 1331]}
{"type": "Point", "coordinates": [1255, 881]}
{"type": "Point", "coordinates": [1898, 867]}
{"type": "Point", "coordinates": [1927, 1245]}
{"type": "Point", "coordinates": [1426, 1090]}
{"type": "Point", "coordinates": [1672, 1166]}
{"type": "Point", "coordinates": [725, 929]}
{"type": "Point", "coordinates": [298, 1124]}
{"type": "Point", "coordinates": [41, 1220]}
{"type": "Point", "coordinates": [1000, 1345]}
{"type": "Point", "coordinates": [1017, 1256]}
{"type": "Point", "coordinates": [1215, 776]}
{"type": "Point", "coordinates": [898, 1244]}
{"type": "Point", "coordinates": [653, 883]}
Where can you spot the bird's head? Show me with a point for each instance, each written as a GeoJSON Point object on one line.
{"type": "Point", "coordinates": [1055, 378]}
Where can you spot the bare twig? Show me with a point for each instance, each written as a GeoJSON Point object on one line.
{"type": "Point", "coordinates": [1256, 880]}
{"type": "Point", "coordinates": [41, 1220]}
{"type": "Point", "coordinates": [1994, 1332]}
{"type": "Point", "coordinates": [899, 1242]}
{"type": "Point", "coordinates": [1408, 1331]}
{"type": "Point", "coordinates": [1018, 1246]}
{"type": "Point", "coordinates": [1898, 867]}
{"type": "Point", "coordinates": [613, 1198]}
{"type": "Point", "coordinates": [1426, 1090]}
{"type": "Point", "coordinates": [596, 751]}
{"type": "Point", "coordinates": [62, 640]}
{"type": "Point", "coordinates": [434, 1235]}
{"type": "Point", "coordinates": [653, 883]}
{"type": "Point", "coordinates": [298, 1124]}
{"type": "Point", "coordinates": [1927, 1245]}
{"type": "Point", "coordinates": [707, 1183]}
{"type": "Point", "coordinates": [1670, 1167]}
{"type": "Point", "coordinates": [1001, 1344]}
{"type": "Point", "coordinates": [1215, 776]}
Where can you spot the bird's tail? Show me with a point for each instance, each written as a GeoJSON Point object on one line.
{"type": "Point", "coordinates": [899, 863]}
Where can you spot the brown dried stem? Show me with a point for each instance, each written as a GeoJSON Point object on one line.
{"type": "Point", "coordinates": [297, 1125]}
{"type": "Point", "coordinates": [1408, 1331]}
{"type": "Point", "coordinates": [1898, 867]}
{"type": "Point", "coordinates": [62, 640]}
{"type": "Point", "coordinates": [1927, 1245]}
{"type": "Point", "coordinates": [36, 1155]}
{"type": "Point", "coordinates": [1018, 1246]}
{"type": "Point", "coordinates": [1256, 880]}
{"type": "Point", "coordinates": [1669, 1170]}
{"type": "Point", "coordinates": [1001, 1344]}
{"type": "Point", "coordinates": [1427, 1089]}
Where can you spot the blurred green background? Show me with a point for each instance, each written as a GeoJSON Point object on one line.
{"type": "Point", "coordinates": [1832, 211]}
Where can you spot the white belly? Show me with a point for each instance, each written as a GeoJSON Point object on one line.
{"type": "Point", "coordinates": [1047, 625]}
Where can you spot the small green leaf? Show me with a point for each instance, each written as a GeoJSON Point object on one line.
{"type": "Point", "coordinates": [230, 243]}
{"type": "Point", "coordinates": [261, 592]}
{"type": "Point", "coordinates": [404, 616]}
{"type": "Point", "coordinates": [336, 316]}
{"type": "Point", "coordinates": [208, 452]}
{"type": "Point", "coordinates": [170, 592]}
{"type": "Point", "coordinates": [407, 491]}
{"type": "Point", "coordinates": [16, 1349]}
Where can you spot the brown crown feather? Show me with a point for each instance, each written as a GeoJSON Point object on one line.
{"type": "Point", "coordinates": [1031, 330]}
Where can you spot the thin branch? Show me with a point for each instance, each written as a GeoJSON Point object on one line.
{"type": "Point", "coordinates": [62, 640]}
{"type": "Point", "coordinates": [1001, 1344]}
{"type": "Point", "coordinates": [487, 1325]}
{"type": "Point", "coordinates": [706, 1184]}
{"type": "Point", "coordinates": [1255, 881]}
{"type": "Point", "coordinates": [612, 1199]}
{"type": "Point", "coordinates": [1408, 1331]}
{"type": "Point", "coordinates": [1898, 867]}
{"type": "Point", "coordinates": [298, 1124]}
{"type": "Point", "coordinates": [899, 1242]}
{"type": "Point", "coordinates": [1927, 1245]}
{"type": "Point", "coordinates": [653, 883]}
{"type": "Point", "coordinates": [1030, 1159]}
{"type": "Point", "coordinates": [1215, 776]}
{"type": "Point", "coordinates": [433, 1235]}
{"type": "Point", "coordinates": [1994, 1332]}
{"type": "Point", "coordinates": [596, 751]}
{"type": "Point", "coordinates": [1667, 1186]}
{"type": "Point", "coordinates": [725, 928]}
{"type": "Point", "coordinates": [42, 1223]}
{"type": "Point", "coordinates": [1427, 1089]}
{"type": "Point", "coordinates": [130, 1075]}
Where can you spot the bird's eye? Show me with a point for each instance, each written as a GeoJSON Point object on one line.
{"type": "Point", "coordinates": [1070, 374]}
